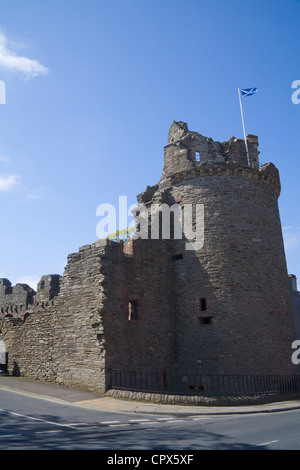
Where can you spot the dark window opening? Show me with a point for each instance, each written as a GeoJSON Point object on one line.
{"type": "Point", "coordinates": [203, 305]}
{"type": "Point", "coordinates": [178, 256]}
{"type": "Point", "coordinates": [132, 310]}
{"type": "Point", "coordinates": [43, 285]}
{"type": "Point", "coordinates": [205, 320]}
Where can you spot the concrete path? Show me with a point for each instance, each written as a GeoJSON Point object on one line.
{"type": "Point", "coordinates": [59, 394]}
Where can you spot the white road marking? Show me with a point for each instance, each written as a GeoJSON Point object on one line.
{"type": "Point", "coordinates": [109, 422]}
{"type": "Point", "coordinates": [176, 421]}
{"type": "Point", "coordinates": [138, 420]}
{"type": "Point", "coordinates": [203, 417]}
{"type": "Point", "coordinates": [164, 419]}
{"type": "Point", "coordinates": [38, 419]}
{"type": "Point", "coordinates": [78, 425]}
{"type": "Point", "coordinates": [150, 422]}
{"type": "Point", "coordinates": [117, 425]}
{"type": "Point", "coordinates": [266, 443]}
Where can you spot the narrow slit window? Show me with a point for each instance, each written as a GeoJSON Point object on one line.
{"type": "Point", "coordinates": [203, 306]}
{"type": "Point", "coordinates": [132, 310]}
{"type": "Point", "coordinates": [197, 156]}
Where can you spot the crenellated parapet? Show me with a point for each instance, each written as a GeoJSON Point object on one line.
{"type": "Point", "coordinates": [20, 300]}
{"type": "Point", "coordinates": [268, 174]}
{"type": "Point", "coordinates": [15, 300]}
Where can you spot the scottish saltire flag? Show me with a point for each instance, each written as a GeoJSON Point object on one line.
{"type": "Point", "coordinates": [248, 91]}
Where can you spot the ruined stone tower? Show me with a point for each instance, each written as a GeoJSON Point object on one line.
{"type": "Point", "coordinates": [232, 304]}
{"type": "Point", "coordinates": [157, 306]}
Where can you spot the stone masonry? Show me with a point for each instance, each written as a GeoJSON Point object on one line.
{"type": "Point", "coordinates": [154, 306]}
{"type": "Point", "coordinates": [295, 304]}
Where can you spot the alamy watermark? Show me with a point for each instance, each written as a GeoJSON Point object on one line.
{"type": "Point", "coordinates": [158, 221]}
{"type": "Point", "coordinates": [296, 94]}
{"type": "Point", "coordinates": [296, 354]}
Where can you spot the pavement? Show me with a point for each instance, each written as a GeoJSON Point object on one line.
{"type": "Point", "coordinates": [65, 395]}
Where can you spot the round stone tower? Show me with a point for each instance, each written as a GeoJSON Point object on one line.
{"type": "Point", "coordinates": [232, 303]}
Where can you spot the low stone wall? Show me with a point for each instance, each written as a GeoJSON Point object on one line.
{"type": "Point", "coordinates": [196, 400]}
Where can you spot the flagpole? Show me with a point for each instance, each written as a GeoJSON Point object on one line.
{"type": "Point", "coordinates": [239, 91]}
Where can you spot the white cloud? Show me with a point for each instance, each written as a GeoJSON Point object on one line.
{"type": "Point", "coordinates": [291, 237]}
{"type": "Point", "coordinates": [31, 281]}
{"type": "Point", "coordinates": [12, 62]}
{"type": "Point", "coordinates": [8, 182]}
{"type": "Point", "coordinates": [11, 182]}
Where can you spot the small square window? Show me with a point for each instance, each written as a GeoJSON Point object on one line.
{"type": "Point", "coordinates": [206, 321]}
{"type": "Point", "coordinates": [178, 256]}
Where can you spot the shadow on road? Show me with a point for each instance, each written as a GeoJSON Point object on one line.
{"type": "Point", "coordinates": [49, 432]}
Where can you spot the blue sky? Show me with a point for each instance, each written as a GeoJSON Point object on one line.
{"type": "Point", "coordinates": [92, 88]}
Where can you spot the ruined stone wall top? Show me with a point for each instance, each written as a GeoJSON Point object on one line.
{"type": "Point", "coordinates": [48, 287]}
{"type": "Point", "coordinates": [16, 301]}
{"type": "Point", "coordinates": [187, 149]}
{"type": "Point", "coordinates": [14, 298]}
{"type": "Point", "coordinates": [189, 154]}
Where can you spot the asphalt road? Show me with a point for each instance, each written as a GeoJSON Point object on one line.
{"type": "Point", "coordinates": [30, 423]}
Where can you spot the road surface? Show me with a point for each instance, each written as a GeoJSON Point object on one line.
{"type": "Point", "coordinates": [30, 423]}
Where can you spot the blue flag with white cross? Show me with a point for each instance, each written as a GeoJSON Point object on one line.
{"type": "Point", "coordinates": [248, 91]}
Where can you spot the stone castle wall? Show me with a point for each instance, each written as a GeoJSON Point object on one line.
{"type": "Point", "coordinates": [88, 329]}
{"type": "Point", "coordinates": [153, 305]}
{"type": "Point", "coordinates": [142, 339]}
{"type": "Point", "coordinates": [296, 304]}
{"type": "Point", "coordinates": [240, 274]}
{"type": "Point", "coordinates": [58, 340]}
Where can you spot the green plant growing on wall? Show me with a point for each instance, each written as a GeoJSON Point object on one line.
{"type": "Point", "coordinates": [121, 235]}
